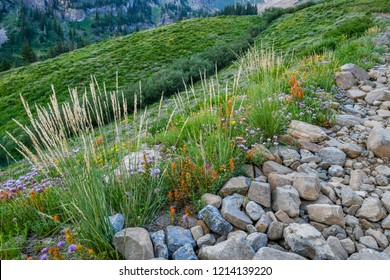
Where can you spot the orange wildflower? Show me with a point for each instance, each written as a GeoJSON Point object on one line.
{"type": "Point", "coordinates": [29, 259]}
{"type": "Point", "coordinates": [99, 141]}
{"type": "Point", "coordinates": [55, 218]}
{"type": "Point", "coordinates": [231, 164]}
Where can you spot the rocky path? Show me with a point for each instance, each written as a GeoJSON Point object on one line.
{"type": "Point", "coordinates": [326, 196]}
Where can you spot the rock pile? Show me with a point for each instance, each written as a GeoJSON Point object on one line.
{"type": "Point", "coordinates": [327, 196]}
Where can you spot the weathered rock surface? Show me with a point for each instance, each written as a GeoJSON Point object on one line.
{"type": "Point", "coordinates": [254, 210]}
{"type": "Point", "coordinates": [212, 199]}
{"type": "Point", "coordinates": [231, 249]}
{"type": "Point", "coordinates": [186, 252]}
{"type": "Point", "coordinates": [231, 211]}
{"type": "Point", "coordinates": [305, 240]}
{"type": "Point", "coordinates": [271, 166]}
{"type": "Point", "coordinates": [177, 237]}
{"type": "Point", "coordinates": [305, 131]}
{"type": "Point", "coordinates": [236, 185]}
{"type": "Point", "coordinates": [159, 246]}
{"type": "Point", "coordinates": [372, 210]}
{"type": "Point", "coordinates": [214, 220]}
{"type": "Point", "coordinates": [134, 244]}
{"type": "Point", "coordinates": [369, 254]}
{"type": "Point", "coordinates": [267, 253]}
{"type": "Point", "coordinates": [260, 193]}
{"type": "Point", "coordinates": [286, 199]}
{"type": "Point", "coordinates": [326, 214]}
{"type": "Point", "coordinates": [379, 142]}
{"type": "Point", "coordinates": [332, 155]}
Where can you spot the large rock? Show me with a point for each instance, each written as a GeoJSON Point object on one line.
{"type": "Point", "coordinates": [386, 222]}
{"type": "Point", "coordinates": [134, 244]}
{"type": "Point", "coordinates": [379, 237]}
{"type": "Point", "coordinates": [371, 210]}
{"type": "Point", "coordinates": [185, 252]}
{"type": "Point", "coordinates": [383, 170]}
{"type": "Point", "coordinates": [338, 250]}
{"type": "Point", "coordinates": [260, 193]}
{"type": "Point", "coordinates": [356, 94]}
{"type": "Point", "coordinates": [289, 156]}
{"type": "Point", "coordinates": [358, 72]}
{"type": "Point", "coordinates": [236, 185]}
{"type": "Point", "coordinates": [231, 249]}
{"type": "Point", "coordinates": [369, 254]}
{"type": "Point", "coordinates": [379, 142]}
{"type": "Point", "coordinates": [326, 214]}
{"type": "Point", "coordinates": [307, 185]}
{"type": "Point", "coordinates": [212, 199]}
{"type": "Point", "coordinates": [352, 150]}
{"type": "Point", "coordinates": [279, 180]}
{"type": "Point", "coordinates": [349, 197]}
{"type": "Point", "coordinates": [178, 237]}
{"type": "Point", "coordinates": [257, 240]}
{"type": "Point", "coordinates": [254, 210]}
{"type": "Point", "coordinates": [214, 220]}
{"type": "Point", "coordinates": [347, 120]}
{"type": "Point", "coordinates": [160, 248]}
{"type": "Point", "coordinates": [305, 240]}
{"type": "Point", "coordinates": [380, 94]}
{"type": "Point", "coordinates": [271, 166]}
{"type": "Point", "coordinates": [232, 213]}
{"type": "Point", "coordinates": [345, 80]}
{"type": "Point", "coordinates": [386, 200]}
{"type": "Point", "coordinates": [267, 253]}
{"type": "Point", "coordinates": [305, 131]}
{"type": "Point", "coordinates": [286, 199]}
{"type": "Point", "coordinates": [357, 178]}
{"type": "Point", "coordinates": [332, 155]}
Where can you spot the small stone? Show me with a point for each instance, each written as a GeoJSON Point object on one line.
{"type": "Point", "coordinates": [383, 170]}
{"type": "Point", "coordinates": [336, 171]}
{"type": "Point", "coordinates": [332, 155]}
{"type": "Point", "coordinates": [326, 214]}
{"type": "Point", "coordinates": [260, 193]}
{"type": "Point", "coordinates": [134, 244]}
{"type": "Point", "coordinates": [356, 94]}
{"type": "Point", "coordinates": [283, 217]}
{"type": "Point", "coordinates": [307, 185]}
{"type": "Point", "coordinates": [386, 222]}
{"type": "Point", "coordinates": [271, 166]}
{"type": "Point", "coordinates": [351, 221]}
{"type": "Point", "coordinates": [338, 250]}
{"type": "Point", "coordinates": [369, 254]}
{"type": "Point", "coordinates": [177, 237]}
{"type": "Point", "coordinates": [117, 221]}
{"type": "Point", "coordinates": [231, 211]}
{"type": "Point", "coordinates": [214, 220]}
{"type": "Point", "coordinates": [236, 185]}
{"type": "Point", "coordinates": [251, 229]}
{"type": "Point", "coordinates": [204, 227]}
{"type": "Point", "coordinates": [379, 142]}
{"type": "Point", "coordinates": [358, 72]}
{"type": "Point", "coordinates": [186, 252]}
{"type": "Point", "coordinates": [305, 131]}
{"type": "Point", "coordinates": [345, 80]}
{"type": "Point", "coordinates": [352, 150]}
{"type": "Point", "coordinates": [275, 231]}
{"type": "Point", "coordinates": [212, 199]}
{"type": "Point", "coordinates": [264, 221]}
{"type": "Point", "coordinates": [160, 248]}
{"type": "Point", "coordinates": [267, 253]}
{"type": "Point", "coordinates": [306, 241]}
{"type": "Point", "coordinates": [356, 179]}
{"type": "Point", "coordinates": [196, 232]}
{"type": "Point", "coordinates": [386, 200]}
{"type": "Point", "coordinates": [237, 234]}
{"type": "Point", "coordinates": [379, 237]}
{"type": "Point", "coordinates": [254, 210]}
{"type": "Point", "coordinates": [349, 197]}
{"type": "Point", "coordinates": [348, 245]}
{"type": "Point", "coordinates": [231, 249]}
{"type": "Point", "coordinates": [289, 156]}
{"type": "Point", "coordinates": [369, 242]}
{"type": "Point", "coordinates": [257, 240]}
{"type": "Point", "coordinates": [279, 180]}
{"type": "Point", "coordinates": [372, 210]}
{"type": "Point", "coordinates": [381, 180]}
{"type": "Point", "coordinates": [206, 240]}
{"type": "Point", "coordinates": [335, 231]}
{"type": "Point", "coordinates": [307, 157]}
{"type": "Point", "coordinates": [286, 199]}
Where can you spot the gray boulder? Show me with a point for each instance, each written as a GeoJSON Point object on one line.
{"type": "Point", "coordinates": [271, 166]}
{"type": "Point", "coordinates": [267, 253]}
{"type": "Point", "coordinates": [378, 142]}
{"type": "Point", "coordinates": [305, 131]}
{"type": "Point", "coordinates": [177, 237]}
{"type": "Point", "coordinates": [117, 221]}
{"type": "Point", "coordinates": [338, 250]}
{"type": "Point", "coordinates": [326, 214]}
{"type": "Point", "coordinates": [332, 155]}
{"type": "Point", "coordinates": [236, 185]}
{"type": "Point", "coordinates": [358, 72]}
{"type": "Point", "coordinates": [307, 185]}
{"type": "Point", "coordinates": [254, 210]}
{"type": "Point", "coordinates": [214, 220]}
{"type": "Point", "coordinates": [260, 193]}
{"type": "Point", "coordinates": [305, 240]}
{"type": "Point", "coordinates": [286, 199]}
{"type": "Point", "coordinates": [185, 252]}
{"type": "Point", "coordinates": [231, 249]}
{"type": "Point", "coordinates": [231, 211]}
{"type": "Point", "coordinates": [257, 240]}
{"type": "Point", "coordinates": [134, 244]}
{"type": "Point", "coordinates": [369, 254]}
{"type": "Point", "coordinates": [160, 248]}
{"type": "Point", "coordinates": [372, 210]}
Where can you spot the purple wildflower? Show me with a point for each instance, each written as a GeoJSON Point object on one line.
{"type": "Point", "coordinates": [44, 250]}
{"type": "Point", "coordinates": [72, 248]}
{"type": "Point", "coordinates": [44, 257]}
{"type": "Point", "coordinates": [302, 104]}
{"type": "Point", "coordinates": [61, 243]}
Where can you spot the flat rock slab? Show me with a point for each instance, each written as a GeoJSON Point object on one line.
{"type": "Point", "coordinates": [305, 131]}
{"type": "Point", "coordinates": [236, 185]}
{"type": "Point", "coordinates": [326, 214]}
{"type": "Point", "coordinates": [271, 166]}
{"type": "Point", "coordinates": [267, 253]}
{"type": "Point", "coordinates": [260, 193]}
{"type": "Point", "coordinates": [231, 249]}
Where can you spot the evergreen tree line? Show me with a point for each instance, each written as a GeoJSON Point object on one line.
{"type": "Point", "coordinates": [239, 10]}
